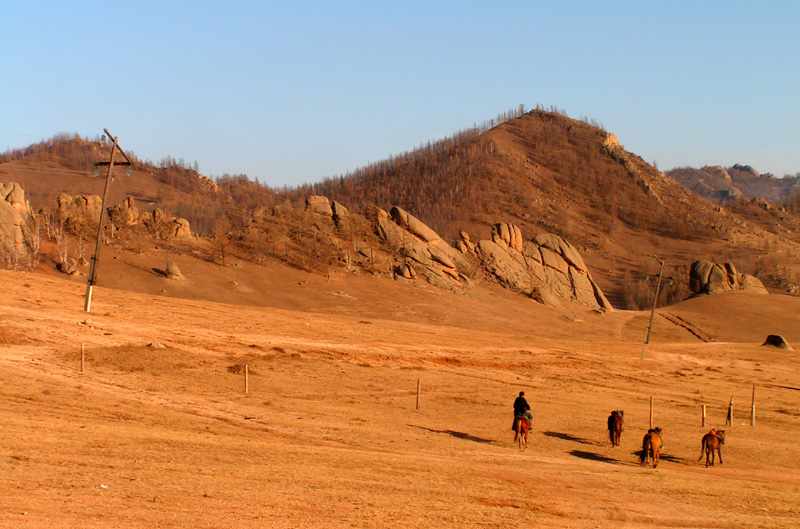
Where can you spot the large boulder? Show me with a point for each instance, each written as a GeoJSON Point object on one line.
{"type": "Point", "coordinates": [124, 214]}
{"type": "Point", "coordinates": [319, 205]}
{"type": "Point", "coordinates": [421, 249]}
{"type": "Point", "coordinates": [547, 268]}
{"type": "Point", "coordinates": [706, 277]}
{"type": "Point", "coordinates": [16, 218]}
{"type": "Point", "coordinates": [776, 340]}
{"type": "Point", "coordinates": [181, 228]}
{"type": "Point", "coordinates": [413, 225]}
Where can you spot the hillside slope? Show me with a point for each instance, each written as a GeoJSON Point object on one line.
{"type": "Point", "coordinates": [540, 171]}
{"type": "Point", "coordinates": [546, 172]}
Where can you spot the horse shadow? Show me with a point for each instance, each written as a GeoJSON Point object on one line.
{"type": "Point", "coordinates": [591, 456]}
{"type": "Point", "coordinates": [664, 457]}
{"type": "Point", "coordinates": [457, 435]}
{"type": "Point", "coordinates": [568, 437]}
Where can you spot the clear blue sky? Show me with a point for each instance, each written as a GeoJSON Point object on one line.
{"type": "Point", "coordinates": [291, 92]}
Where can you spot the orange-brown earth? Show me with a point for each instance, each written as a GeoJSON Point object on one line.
{"type": "Point", "coordinates": [329, 436]}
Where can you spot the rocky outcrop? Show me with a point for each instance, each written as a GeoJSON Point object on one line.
{"type": "Point", "coordinates": [464, 245]}
{"type": "Point", "coordinates": [78, 210]}
{"type": "Point", "coordinates": [422, 251]}
{"type": "Point", "coordinates": [706, 277]}
{"type": "Point", "coordinates": [547, 268]}
{"type": "Point", "coordinates": [124, 214]}
{"type": "Point", "coordinates": [320, 205]}
{"type": "Point", "coordinates": [181, 228]}
{"type": "Point", "coordinates": [15, 219]}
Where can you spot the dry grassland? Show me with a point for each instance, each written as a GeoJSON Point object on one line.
{"type": "Point", "coordinates": [329, 436]}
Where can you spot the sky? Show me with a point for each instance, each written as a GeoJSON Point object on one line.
{"type": "Point", "coordinates": [294, 92]}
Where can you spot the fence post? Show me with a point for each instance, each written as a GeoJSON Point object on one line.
{"type": "Point", "coordinates": [417, 393]}
{"type": "Point", "coordinates": [246, 379]}
{"type": "Point", "coordinates": [704, 415]}
{"type": "Point", "coordinates": [83, 356]}
{"type": "Point", "coordinates": [729, 420]}
{"type": "Point", "coordinates": [753, 408]}
{"type": "Point", "coordinates": [651, 412]}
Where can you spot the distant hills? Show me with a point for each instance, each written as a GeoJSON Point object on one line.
{"type": "Point", "coordinates": [736, 183]}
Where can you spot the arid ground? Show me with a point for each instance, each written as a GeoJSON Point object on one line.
{"type": "Point", "coordinates": [157, 431]}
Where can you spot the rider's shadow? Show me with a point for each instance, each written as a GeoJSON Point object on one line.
{"type": "Point", "coordinates": [569, 437]}
{"type": "Point", "coordinates": [457, 435]}
{"type": "Point", "coordinates": [593, 457]}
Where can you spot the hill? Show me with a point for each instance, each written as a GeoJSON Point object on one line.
{"type": "Point", "coordinates": [546, 172]}
{"type": "Point", "coordinates": [540, 171]}
{"type": "Point", "coordinates": [737, 183]}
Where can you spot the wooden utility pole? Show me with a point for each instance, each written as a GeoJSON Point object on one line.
{"type": "Point", "coordinates": [92, 277]}
{"type": "Point", "coordinates": [653, 311]}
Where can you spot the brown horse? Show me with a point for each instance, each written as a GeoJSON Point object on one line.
{"type": "Point", "coordinates": [651, 446]}
{"type": "Point", "coordinates": [713, 440]}
{"type": "Point", "coordinates": [615, 422]}
{"type": "Point", "coordinates": [521, 428]}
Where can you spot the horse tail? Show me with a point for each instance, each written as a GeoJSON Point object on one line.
{"type": "Point", "coordinates": [703, 447]}
{"type": "Point", "coordinates": [645, 448]}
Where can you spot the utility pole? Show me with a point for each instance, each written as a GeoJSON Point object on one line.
{"type": "Point", "coordinates": [653, 311]}
{"type": "Point", "coordinates": [92, 277]}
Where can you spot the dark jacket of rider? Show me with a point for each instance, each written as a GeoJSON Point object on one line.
{"type": "Point", "coordinates": [521, 406]}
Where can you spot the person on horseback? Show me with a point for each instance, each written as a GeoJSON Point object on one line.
{"type": "Point", "coordinates": [522, 409]}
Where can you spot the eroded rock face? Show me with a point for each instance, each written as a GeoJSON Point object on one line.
{"type": "Point", "coordinates": [15, 220]}
{"type": "Point", "coordinates": [181, 228]}
{"type": "Point", "coordinates": [79, 210]}
{"type": "Point", "coordinates": [706, 277]}
{"type": "Point", "coordinates": [320, 205]}
{"type": "Point", "coordinates": [124, 214]}
{"type": "Point", "coordinates": [422, 250]}
{"type": "Point", "coordinates": [547, 268]}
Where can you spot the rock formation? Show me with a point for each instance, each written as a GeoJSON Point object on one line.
{"type": "Point", "coordinates": [706, 277]}
{"type": "Point", "coordinates": [78, 210]}
{"type": "Point", "coordinates": [124, 214]}
{"type": "Point", "coordinates": [173, 272]}
{"type": "Point", "coordinates": [547, 268]}
{"type": "Point", "coordinates": [422, 251]}
{"type": "Point", "coordinates": [320, 205]}
{"type": "Point", "coordinates": [15, 219]}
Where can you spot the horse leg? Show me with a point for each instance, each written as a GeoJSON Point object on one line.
{"type": "Point", "coordinates": [719, 453]}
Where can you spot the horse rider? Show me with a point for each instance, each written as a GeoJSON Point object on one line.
{"type": "Point", "coordinates": [522, 409]}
